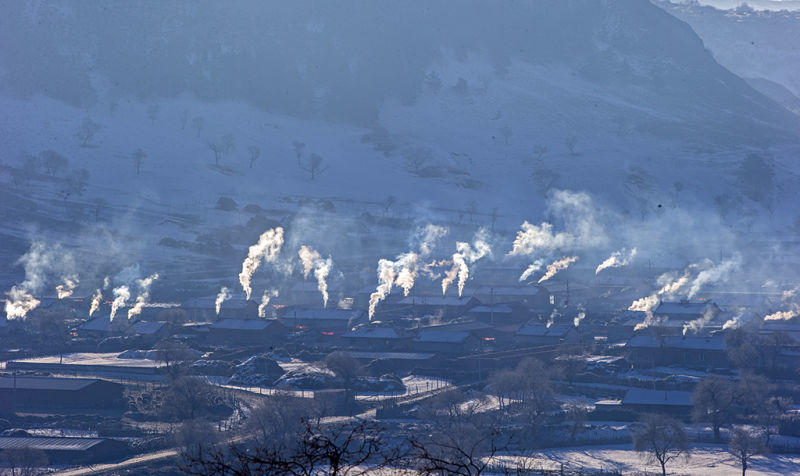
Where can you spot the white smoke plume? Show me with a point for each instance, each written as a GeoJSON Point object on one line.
{"type": "Point", "coordinates": [42, 263]}
{"type": "Point", "coordinates": [464, 256]}
{"type": "Point", "coordinates": [321, 272]}
{"type": "Point", "coordinates": [67, 287]}
{"type": "Point", "coordinates": [645, 304]}
{"type": "Point", "coordinates": [121, 296]}
{"type": "Point", "coordinates": [534, 267]}
{"type": "Point", "coordinates": [106, 282]}
{"type": "Point", "coordinates": [312, 260]}
{"type": "Point", "coordinates": [698, 324]}
{"type": "Point", "coordinates": [308, 258]}
{"type": "Point", "coordinates": [404, 270]}
{"type": "Point", "coordinates": [617, 259]}
{"type": "Point", "coordinates": [224, 294]}
{"type": "Point", "coordinates": [713, 273]}
{"type": "Point", "coordinates": [649, 321]}
{"type": "Point", "coordinates": [144, 295]}
{"type": "Point", "coordinates": [580, 317]}
{"type": "Point", "coordinates": [267, 248]}
{"type": "Point", "coordinates": [19, 302]}
{"type": "Point", "coordinates": [556, 266]}
{"type": "Point", "coordinates": [737, 320]}
{"type": "Point", "coordinates": [789, 294]}
{"type": "Point", "coordinates": [265, 299]}
{"type": "Point", "coordinates": [386, 278]}
{"type": "Point", "coordinates": [784, 315]}
{"type": "Point", "coordinates": [671, 285]}
{"type": "Point", "coordinates": [426, 238]}
{"type": "Point", "coordinates": [97, 297]}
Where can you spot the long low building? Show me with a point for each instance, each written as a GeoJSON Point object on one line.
{"type": "Point", "coordinates": [54, 392]}
{"type": "Point", "coordinates": [89, 363]}
{"type": "Point", "coordinates": [67, 450]}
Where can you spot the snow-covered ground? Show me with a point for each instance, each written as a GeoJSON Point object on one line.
{"type": "Point", "coordinates": [705, 460]}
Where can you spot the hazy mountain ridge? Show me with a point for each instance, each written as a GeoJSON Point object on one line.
{"type": "Point", "coordinates": [751, 43]}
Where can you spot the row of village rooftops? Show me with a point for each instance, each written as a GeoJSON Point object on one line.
{"type": "Point", "coordinates": [609, 299]}
{"type": "Point", "coordinates": [469, 327]}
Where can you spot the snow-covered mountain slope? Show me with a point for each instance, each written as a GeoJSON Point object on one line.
{"type": "Point", "coordinates": [751, 43]}
{"type": "Point", "coordinates": [461, 115]}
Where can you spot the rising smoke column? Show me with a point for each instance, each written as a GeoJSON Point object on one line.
{"type": "Point", "coordinates": [265, 299]}
{"type": "Point", "coordinates": [404, 270]}
{"type": "Point", "coordinates": [698, 324]}
{"type": "Point", "coordinates": [19, 302]}
{"type": "Point", "coordinates": [224, 294]}
{"type": "Point", "coordinates": [617, 259]}
{"type": "Point", "coordinates": [67, 287]}
{"type": "Point", "coordinates": [42, 262]}
{"type": "Point", "coordinates": [464, 256]}
{"type": "Point", "coordinates": [784, 315]}
{"type": "Point", "coordinates": [144, 295]}
{"type": "Point", "coordinates": [267, 248]}
{"type": "Point", "coordinates": [556, 266]}
{"type": "Point", "coordinates": [713, 273]}
{"type": "Point", "coordinates": [386, 277]}
{"type": "Point", "coordinates": [97, 297]}
{"type": "Point", "coordinates": [121, 296]}
{"type": "Point", "coordinates": [311, 260]}
{"type": "Point", "coordinates": [534, 267]}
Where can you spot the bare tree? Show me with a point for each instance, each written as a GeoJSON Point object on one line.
{"type": "Point", "coordinates": [539, 151]}
{"type": "Point", "coordinates": [458, 450]}
{"type": "Point", "coordinates": [197, 125]}
{"type": "Point", "coordinates": [298, 147]}
{"type": "Point", "coordinates": [86, 131]}
{"type": "Point", "coordinates": [577, 413]}
{"type": "Point", "coordinates": [744, 445]}
{"type": "Point", "coordinates": [279, 418]}
{"type": "Point", "coordinates": [495, 214]}
{"type": "Point", "coordinates": [77, 181]}
{"type": "Point", "coordinates": [255, 153]}
{"type": "Point", "coordinates": [184, 118]}
{"type": "Point", "coordinates": [472, 210]}
{"type": "Point", "coordinates": [349, 449]}
{"type": "Point", "coordinates": [571, 142]}
{"type": "Point", "coordinates": [138, 157]}
{"type": "Point", "coordinates": [313, 165]}
{"type": "Point", "coordinates": [713, 403]}
{"type": "Point", "coordinates": [221, 147]}
{"type": "Point", "coordinates": [388, 203]}
{"type": "Point", "coordinates": [661, 439]}
{"type": "Point", "coordinates": [507, 133]}
{"type": "Point", "coordinates": [187, 398]}
{"type": "Point", "coordinates": [53, 161]}
{"type": "Point", "coordinates": [344, 366]}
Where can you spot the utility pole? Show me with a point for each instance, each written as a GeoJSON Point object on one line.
{"type": "Point", "coordinates": [491, 308]}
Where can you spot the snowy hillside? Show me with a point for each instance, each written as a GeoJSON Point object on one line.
{"type": "Point", "coordinates": [474, 113]}
{"type": "Point", "coordinates": [754, 44]}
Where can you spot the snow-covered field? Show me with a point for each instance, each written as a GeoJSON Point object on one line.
{"type": "Point", "coordinates": [705, 460]}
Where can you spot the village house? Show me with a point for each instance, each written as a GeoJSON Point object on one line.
{"type": "Point", "coordinates": [204, 309]}
{"type": "Point", "coordinates": [445, 342]}
{"type": "Point", "coordinates": [323, 321]}
{"type": "Point", "coordinates": [677, 404]}
{"type": "Point", "coordinates": [533, 297]}
{"type": "Point", "coordinates": [696, 352]}
{"type": "Point", "coordinates": [378, 338]}
{"type": "Point", "coordinates": [61, 450]}
{"type": "Point", "coordinates": [247, 331]}
{"type": "Point", "coordinates": [444, 307]}
{"type": "Point", "coordinates": [17, 391]}
{"type": "Point", "coordinates": [533, 334]}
